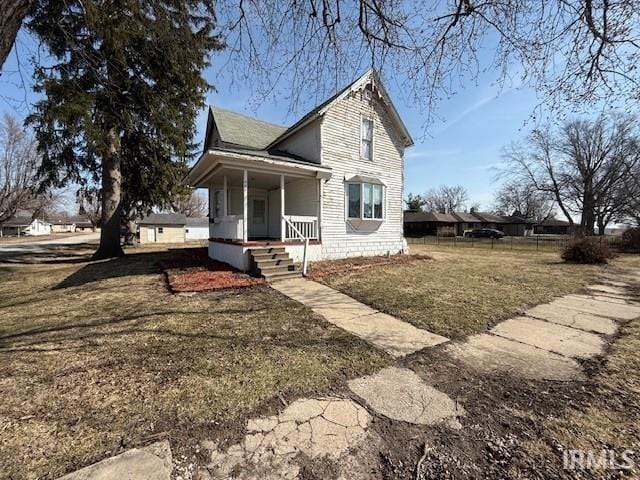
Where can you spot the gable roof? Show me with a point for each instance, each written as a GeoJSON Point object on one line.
{"type": "Point", "coordinates": [317, 112]}
{"type": "Point", "coordinates": [164, 219]}
{"type": "Point", "coordinates": [242, 130]}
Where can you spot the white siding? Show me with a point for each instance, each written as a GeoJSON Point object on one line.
{"type": "Point", "coordinates": [305, 142]}
{"type": "Point", "coordinates": [340, 133]}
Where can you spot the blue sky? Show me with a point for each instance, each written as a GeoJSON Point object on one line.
{"type": "Point", "coordinates": [463, 147]}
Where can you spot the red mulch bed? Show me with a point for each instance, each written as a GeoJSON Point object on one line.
{"type": "Point", "coordinates": [324, 268]}
{"type": "Point", "coordinates": [193, 271]}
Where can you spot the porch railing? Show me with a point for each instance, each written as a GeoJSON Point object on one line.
{"type": "Point", "coordinates": [291, 228]}
{"type": "Point", "coordinates": [228, 227]}
{"type": "Point", "coordinates": [300, 225]}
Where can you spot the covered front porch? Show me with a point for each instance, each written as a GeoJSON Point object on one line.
{"type": "Point", "coordinates": [278, 207]}
{"type": "Point", "coordinates": [258, 201]}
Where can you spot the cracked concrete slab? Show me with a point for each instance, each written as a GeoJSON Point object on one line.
{"type": "Point", "coordinates": [573, 318]}
{"type": "Point", "coordinates": [604, 297]}
{"type": "Point", "coordinates": [491, 353]}
{"type": "Point", "coordinates": [566, 341]}
{"type": "Point", "coordinates": [153, 462]}
{"type": "Point", "coordinates": [598, 307]}
{"type": "Point", "coordinates": [316, 427]}
{"type": "Point", "coordinates": [396, 337]}
{"type": "Point", "coordinates": [400, 394]}
{"type": "Point", "coordinates": [619, 290]}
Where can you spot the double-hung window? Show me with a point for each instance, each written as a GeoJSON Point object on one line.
{"type": "Point", "coordinates": [365, 201]}
{"type": "Point", "coordinates": [366, 136]}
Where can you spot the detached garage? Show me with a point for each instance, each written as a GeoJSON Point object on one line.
{"type": "Point", "coordinates": [162, 228]}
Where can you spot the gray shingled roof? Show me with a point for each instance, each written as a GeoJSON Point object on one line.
{"type": "Point", "coordinates": [466, 217]}
{"type": "Point", "coordinates": [21, 221]}
{"type": "Point", "coordinates": [197, 222]}
{"type": "Point", "coordinates": [489, 217]}
{"type": "Point", "coordinates": [238, 129]}
{"type": "Point", "coordinates": [413, 217]}
{"type": "Point", "coordinates": [164, 219]}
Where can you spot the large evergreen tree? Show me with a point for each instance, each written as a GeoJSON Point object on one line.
{"type": "Point", "coordinates": [122, 97]}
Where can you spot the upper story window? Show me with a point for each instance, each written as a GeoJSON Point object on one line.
{"type": "Point", "coordinates": [366, 142]}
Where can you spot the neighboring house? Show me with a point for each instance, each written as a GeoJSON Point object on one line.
{"type": "Point", "coordinates": [196, 228]}
{"type": "Point", "coordinates": [553, 226]}
{"type": "Point", "coordinates": [66, 223]}
{"type": "Point", "coordinates": [62, 224]}
{"type": "Point", "coordinates": [23, 225]}
{"type": "Point", "coordinates": [83, 224]}
{"type": "Point", "coordinates": [517, 226]}
{"type": "Point", "coordinates": [172, 228]}
{"type": "Point", "coordinates": [333, 179]}
{"type": "Point", "coordinates": [466, 222]}
{"type": "Point", "coordinates": [420, 224]}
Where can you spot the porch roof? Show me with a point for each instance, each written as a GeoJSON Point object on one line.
{"type": "Point", "coordinates": [270, 161]}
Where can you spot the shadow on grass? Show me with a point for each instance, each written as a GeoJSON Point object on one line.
{"type": "Point", "coordinates": [49, 254]}
{"type": "Point", "coordinates": [134, 263]}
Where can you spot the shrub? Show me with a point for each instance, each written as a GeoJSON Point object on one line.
{"type": "Point", "coordinates": [631, 240]}
{"type": "Point", "coordinates": [589, 250]}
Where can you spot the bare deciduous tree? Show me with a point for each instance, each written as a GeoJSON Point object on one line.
{"type": "Point", "coordinates": [446, 199]}
{"type": "Point", "coordinates": [514, 196]}
{"type": "Point", "coordinates": [583, 165]}
{"type": "Point", "coordinates": [90, 205]}
{"type": "Point", "coordinates": [19, 164]}
{"type": "Point", "coordinates": [191, 204]}
{"type": "Point", "coordinates": [574, 52]}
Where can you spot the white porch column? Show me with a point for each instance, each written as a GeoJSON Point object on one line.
{"type": "Point", "coordinates": [282, 222]}
{"type": "Point", "coordinates": [245, 206]}
{"type": "Point", "coordinates": [224, 196]}
{"type": "Point", "coordinates": [319, 226]}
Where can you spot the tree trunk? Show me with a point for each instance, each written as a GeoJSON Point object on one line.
{"type": "Point", "coordinates": [130, 232]}
{"type": "Point", "coordinates": [111, 201]}
{"type": "Point", "coordinates": [11, 17]}
{"type": "Point", "coordinates": [588, 220]}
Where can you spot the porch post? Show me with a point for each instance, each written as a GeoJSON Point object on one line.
{"type": "Point", "coordinates": [245, 208]}
{"type": "Point", "coordinates": [319, 223]}
{"type": "Point", "coordinates": [282, 222]}
{"type": "Point", "coordinates": [224, 196]}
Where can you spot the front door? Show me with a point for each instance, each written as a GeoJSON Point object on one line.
{"type": "Point", "coordinates": [257, 216]}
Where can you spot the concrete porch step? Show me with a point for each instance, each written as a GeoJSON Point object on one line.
{"type": "Point", "coordinates": [269, 256]}
{"type": "Point", "coordinates": [272, 262]}
{"type": "Point", "coordinates": [267, 250]}
{"type": "Point", "coordinates": [270, 269]}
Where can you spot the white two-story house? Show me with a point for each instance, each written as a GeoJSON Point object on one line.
{"type": "Point", "coordinates": [329, 186]}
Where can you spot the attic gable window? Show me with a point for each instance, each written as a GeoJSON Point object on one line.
{"type": "Point", "coordinates": [366, 136]}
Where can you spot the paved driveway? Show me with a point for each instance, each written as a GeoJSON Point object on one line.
{"type": "Point", "coordinates": [45, 246]}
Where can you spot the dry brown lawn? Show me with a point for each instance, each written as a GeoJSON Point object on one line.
{"type": "Point", "coordinates": [464, 291]}
{"type": "Point", "coordinates": [96, 358]}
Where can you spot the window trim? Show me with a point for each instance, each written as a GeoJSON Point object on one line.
{"type": "Point", "coordinates": [373, 218]}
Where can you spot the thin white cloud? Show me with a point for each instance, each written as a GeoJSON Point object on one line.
{"type": "Point", "coordinates": [433, 153]}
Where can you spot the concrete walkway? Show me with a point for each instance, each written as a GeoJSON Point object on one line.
{"type": "Point", "coordinates": [547, 341]}
{"type": "Point", "coordinates": [396, 337]}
